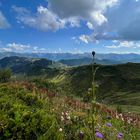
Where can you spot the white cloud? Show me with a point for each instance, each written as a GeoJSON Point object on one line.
{"type": "Point", "coordinates": [122, 24]}
{"type": "Point", "coordinates": [6, 49]}
{"type": "Point", "coordinates": [39, 50]}
{"type": "Point", "coordinates": [3, 22]}
{"type": "Point", "coordinates": [98, 17]}
{"type": "Point", "coordinates": [74, 22]}
{"type": "Point", "coordinates": [88, 38]}
{"type": "Point", "coordinates": [90, 25]}
{"type": "Point", "coordinates": [116, 23]}
{"type": "Point", "coordinates": [43, 20]}
{"type": "Point", "coordinates": [91, 10]}
{"type": "Point", "coordinates": [22, 48]}
{"type": "Point", "coordinates": [18, 47]}
{"type": "Point", "coordinates": [124, 44]}
{"type": "Point", "coordinates": [62, 13]}
{"type": "Point", "coordinates": [84, 38]}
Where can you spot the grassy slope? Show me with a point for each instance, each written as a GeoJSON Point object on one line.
{"type": "Point", "coordinates": [28, 114]}
{"type": "Point", "coordinates": [118, 84]}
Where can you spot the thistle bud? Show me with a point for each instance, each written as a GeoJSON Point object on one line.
{"type": "Point", "coordinates": [93, 53]}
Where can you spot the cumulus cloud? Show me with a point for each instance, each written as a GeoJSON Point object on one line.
{"type": "Point", "coordinates": [22, 48]}
{"type": "Point", "coordinates": [92, 10]}
{"type": "Point", "coordinates": [109, 19]}
{"type": "Point", "coordinates": [124, 44]}
{"type": "Point", "coordinates": [90, 25]}
{"type": "Point", "coordinates": [85, 38]}
{"type": "Point", "coordinates": [43, 19]}
{"type": "Point", "coordinates": [65, 13]}
{"type": "Point", "coordinates": [17, 47]}
{"type": "Point", "coordinates": [88, 38]}
{"type": "Point", "coordinates": [3, 22]}
{"type": "Point", "coordinates": [123, 22]}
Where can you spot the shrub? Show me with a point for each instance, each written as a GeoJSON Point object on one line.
{"type": "Point", "coordinates": [5, 75]}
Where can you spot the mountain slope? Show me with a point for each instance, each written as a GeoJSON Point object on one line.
{"type": "Point", "coordinates": [28, 65]}
{"type": "Point", "coordinates": [118, 84]}
{"type": "Point", "coordinates": [87, 61]}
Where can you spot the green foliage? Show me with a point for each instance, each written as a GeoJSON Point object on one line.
{"type": "Point", "coordinates": [24, 115]}
{"type": "Point", "coordinates": [5, 75]}
{"type": "Point", "coordinates": [41, 83]}
{"type": "Point", "coordinates": [119, 109]}
{"type": "Point", "coordinates": [118, 84]}
{"type": "Point", "coordinates": [28, 113]}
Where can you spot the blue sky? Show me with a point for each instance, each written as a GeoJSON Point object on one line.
{"type": "Point", "coordinates": [77, 26]}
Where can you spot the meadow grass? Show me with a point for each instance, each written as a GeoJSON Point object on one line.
{"type": "Point", "coordinates": [29, 111]}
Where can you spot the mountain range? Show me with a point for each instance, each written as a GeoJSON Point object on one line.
{"type": "Point", "coordinates": [121, 58]}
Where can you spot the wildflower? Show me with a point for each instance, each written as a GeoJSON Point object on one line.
{"type": "Point", "coordinates": [60, 129]}
{"type": "Point", "coordinates": [122, 119]}
{"type": "Point", "coordinates": [117, 116]}
{"type": "Point", "coordinates": [99, 135]}
{"type": "Point", "coordinates": [68, 117]}
{"type": "Point", "coordinates": [62, 113]}
{"type": "Point", "coordinates": [129, 121]}
{"type": "Point", "coordinates": [81, 135]}
{"type": "Point", "coordinates": [120, 115]}
{"type": "Point", "coordinates": [120, 135]}
{"type": "Point", "coordinates": [62, 118]}
{"type": "Point", "coordinates": [109, 124]}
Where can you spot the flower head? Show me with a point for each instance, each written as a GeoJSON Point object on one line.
{"type": "Point", "coordinates": [99, 135]}
{"type": "Point", "coordinates": [120, 135]}
{"type": "Point", "coordinates": [60, 129]}
{"type": "Point", "coordinates": [62, 118]}
{"type": "Point", "coordinates": [109, 124]}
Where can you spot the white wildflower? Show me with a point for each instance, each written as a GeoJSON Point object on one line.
{"type": "Point", "coordinates": [60, 129]}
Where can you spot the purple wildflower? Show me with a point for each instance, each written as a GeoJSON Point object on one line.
{"type": "Point", "coordinates": [99, 135]}
{"type": "Point", "coordinates": [109, 124]}
{"type": "Point", "coordinates": [120, 135]}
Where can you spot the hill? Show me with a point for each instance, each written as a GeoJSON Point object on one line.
{"type": "Point", "coordinates": [87, 61]}
{"type": "Point", "coordinates": [30, 66]}
{"type": "Point", "coordinates": [117, 84]}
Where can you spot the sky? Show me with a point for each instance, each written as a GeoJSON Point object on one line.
{"type": "Point", "coordinates": [75, 26]}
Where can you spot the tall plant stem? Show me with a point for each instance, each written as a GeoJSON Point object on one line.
{"type": "Point", "coordinates": [93, 101]}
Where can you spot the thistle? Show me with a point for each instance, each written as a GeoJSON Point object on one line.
{"type": "Point", "coordinates": [93, 111]}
